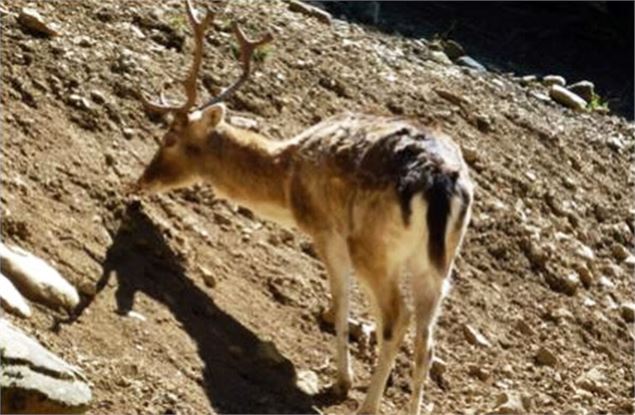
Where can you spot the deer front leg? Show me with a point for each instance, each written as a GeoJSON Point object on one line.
{"type": "Point", "coordinates": [334, 252]}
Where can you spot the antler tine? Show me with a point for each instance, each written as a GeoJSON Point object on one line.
{"type": "Point", "coordinates": [189, 83]}
{"type": "Point", "coordinates": [247, 48]}
{"type": "Point", "coordinates": [198, 27]}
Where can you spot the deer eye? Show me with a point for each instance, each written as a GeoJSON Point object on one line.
{"type": "Point", "coordinates": [169, 139]}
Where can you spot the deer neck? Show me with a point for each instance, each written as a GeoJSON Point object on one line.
{"type": "Point", "coordinates": [251, 170]}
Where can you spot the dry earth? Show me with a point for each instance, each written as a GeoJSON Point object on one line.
{"type": "Point", "coordinates": [192, 305]}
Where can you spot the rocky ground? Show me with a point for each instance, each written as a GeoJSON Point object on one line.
{"type": "Point", "coordinates": [191, 304]}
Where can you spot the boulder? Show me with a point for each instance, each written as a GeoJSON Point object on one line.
{"type": "Point", "coordinates": [567, 98]}
{"type": "Point", "coordinates": [36, 279]}
{"type": "Point", "coordinates": [34, 380]}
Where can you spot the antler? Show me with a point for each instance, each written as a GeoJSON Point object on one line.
{"type": "Point", "coordinates": [189, 83]}
{"type": "Point", "coordinates": [247, 48]}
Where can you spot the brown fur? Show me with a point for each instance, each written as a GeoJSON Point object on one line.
{"type": "Point", "coordinates": [362, 187]}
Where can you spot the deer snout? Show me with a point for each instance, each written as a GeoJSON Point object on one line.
{"type": "Point", "coordinates": [145, 185]}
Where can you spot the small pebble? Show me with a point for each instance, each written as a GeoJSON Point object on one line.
{"type": "Point", "coordinates": [97, 96]}
{"type": "Point", "coordinates": [128, 133]}
{"type": "Point", "coordinates": [474, 337]}
{"type": "Point", "coordinates": [628, 312]}
{"type": "Point", "coordinates": [440, 57]}
{"type": "Point", "coordinates": [545, 357]}
{"type": "Point", "coordinates": [33, 20]}
{"type": "Point", "coordinates": [308, 382]}
{"type": "Point", "coordinates": [619, 252]}
{"type": "Point", "coordinates": [471, 63]}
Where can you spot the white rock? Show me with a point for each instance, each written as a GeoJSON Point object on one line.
{"type": "Point", "coordinates": [588, 302]}
{"type": "Point", "coordinates": [34, 380]}
{"type": "Point", "coordinates": [512, 403]}
{"type": "Point", "coordinates": [243, 122]}
{"type": "Point", "coordinates": [308, 10]}
{"type": "Point", "coordinates": [472, 63]}
{"type": "Point", "coordinates": [137, 316]}
{"type": "Point", "coordinates": [11, 299]}
{"type": "Point", "coordinates": [474, 336]}
{"type": "Point", "coordinates": [361, 331]}
{"type": "Point", "coordinates": [551, 80]}
{"type": "Point", "coordinates": [36, 279]}
{"type": "Point", "coordinates": [593, 381]}
{"type": "Point", "coordinates": [308, 382]}
{"type": "Point", "coordinates": [615, 143]}
{"type": "Point", "coordinates": [567, 98]}
{"type": "Point", "coordinates": [605, 282]}
{"type": "Point", "coordinates": [581, 250]}
{"type": "Point", "coordinates": [608, 303]}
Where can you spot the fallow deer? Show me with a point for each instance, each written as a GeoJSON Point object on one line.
{"type": "Point", "coordinates": [378, 195]}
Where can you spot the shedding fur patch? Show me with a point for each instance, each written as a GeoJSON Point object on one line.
{"type": "Point", "coordinates": [378, 153]}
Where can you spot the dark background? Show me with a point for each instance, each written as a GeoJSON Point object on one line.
{"type": "Point", "coordinates": [578, 40]}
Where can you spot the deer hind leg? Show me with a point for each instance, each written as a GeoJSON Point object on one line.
{"type": "Point", "coordinates": [393, 317]}
{"type": "Point", "coordinates": [334, 252]}
{"type": "Point", "coordinates": [427, 289]}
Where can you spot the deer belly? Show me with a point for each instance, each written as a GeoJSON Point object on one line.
{"type": "Point", "coordinates": [265, 210]}
{"type": "Point", "coordinates": [272, 212]}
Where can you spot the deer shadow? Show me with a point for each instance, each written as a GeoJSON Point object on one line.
{"type": "Point", "coordinates": [237, 376]}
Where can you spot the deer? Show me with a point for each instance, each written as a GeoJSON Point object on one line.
{"type": "Point", "coordinates": [379, 195]}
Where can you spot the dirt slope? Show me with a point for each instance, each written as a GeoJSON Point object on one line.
{"type": "Point", "coordinates": [545, 263]}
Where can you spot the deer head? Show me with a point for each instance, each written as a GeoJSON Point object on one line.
{"type": "Point", "coordinates": [181, 151]}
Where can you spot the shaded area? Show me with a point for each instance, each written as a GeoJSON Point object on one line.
{"type": "Point", "coordinates": [579, 40]}
{"type": "Point", "coordinates": [237, 378]}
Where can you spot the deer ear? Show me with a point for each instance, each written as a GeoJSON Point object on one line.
{"type": "Point", "coordinates": [214, 115]}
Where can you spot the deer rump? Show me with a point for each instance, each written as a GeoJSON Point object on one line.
{"type": "Point", "coordinates": [401, 153]}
